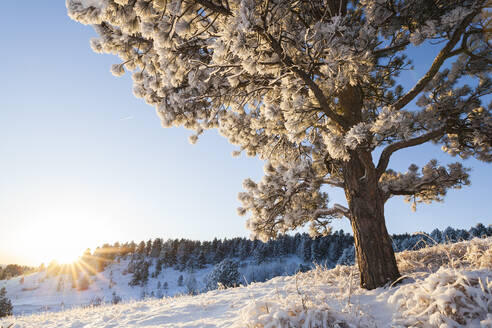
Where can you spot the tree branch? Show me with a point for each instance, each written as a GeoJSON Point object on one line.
{"type": "Point", "coordinates": [334, 183]}
{"type": "Point", "coordinates": [390, 149]}
{"type": "Point", "coordinates": [318, 93]}
{"type": "Point", "coordinates": [215, 8]}
{"type": "Point", "coordinates": [384, 51]}
{"type": "Point", "coordinates": [337, 209]}
{"type": "Point", "coordinates": [438, 61]}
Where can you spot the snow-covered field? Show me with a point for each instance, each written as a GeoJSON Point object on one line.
{"type": "Point", "coordinates": [443, 286]}
{"type": "Point", "coordinates": [41, 292]}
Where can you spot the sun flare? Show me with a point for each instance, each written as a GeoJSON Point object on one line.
{"type": "Point", "coordinates": [62, 240]}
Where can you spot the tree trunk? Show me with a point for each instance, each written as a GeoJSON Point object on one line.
{"type": "Point", "coordinates": [373, 247]}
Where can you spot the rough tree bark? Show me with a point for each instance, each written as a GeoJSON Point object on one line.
{"type": "Point", "coordinates": [373, 247]}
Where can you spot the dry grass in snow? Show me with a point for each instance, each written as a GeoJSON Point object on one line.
{"type": "Point", "coordinates": [443, 286]}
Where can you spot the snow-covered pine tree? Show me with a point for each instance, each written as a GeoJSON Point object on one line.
{"type": "Point", "coordinates": [201, 261]}
{"type": "Point", "coordinates": [141, 248]}
{"type": "Point", "coordinates": [304, 250]}
{"type": "Point", "coordinates": [148, 247]}
{"type": "Point", "coordinates": [5, 303]}
{"type": "Point", "coordinates": [140, 273]}
{"type": "Point", "coordinates": [156, 248]}
{"type": "Point", "coordinates": [225, 274]}
{"type": "Point", "coordinates": [259, 253]}
{"type": "Point", "coordinates": [311, 87]}
{"type": "Point", "coordinates": [479, 230]}
{"type": "Point", "coordinates": [191, 285]}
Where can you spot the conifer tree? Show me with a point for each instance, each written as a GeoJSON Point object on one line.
{"type": "Point", "coordinates": [5, 303]}
{"type": "Point", "coordinates": [312, 88]}
{"type": "Point", "coordinates": [141, 248]}
{"type": "Point", "coordinates": [225, 273]}
{"type": "Point", "coordinates": [201, 261]}
{"type": "Point", "coordinates": [180, 280]}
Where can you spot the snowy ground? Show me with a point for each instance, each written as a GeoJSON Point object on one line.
{"type": "Point", "coordinates": [445, 286]}
{"type": "Point", "coordinates": [40, 292]}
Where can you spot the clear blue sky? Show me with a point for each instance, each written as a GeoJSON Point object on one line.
{"type": "Point", "coordinates": [83, 162]}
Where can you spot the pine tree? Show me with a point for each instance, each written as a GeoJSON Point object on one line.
{"type": "Point", "coordinates": [191, 285]}
{"type": "Point", "coordinates": [225, 274]}
{"type": "Point", "coordinates": [259, 253]}
{"type": "Point", "coordinates": [148, 247]}
{"type": "Point", "coordinates": [479, 231]}
{"type": "Point", "coordinates": [156, 247]}
{"type": "Point", "coordinates": [313, 89]}
{"type": "Point", "coordinates": [140, 273]}
{"type": "Point", "coordinates": [141, 248]}
{"type": "Point", "coordinates": [180, 280]}
{"type": "Point", "coordinates": [5, 304]}
{"type": "Point", "coordinates": [305, 248]}
{"type": "Point", "coordinates": [436, 235]}
{"type": "Point", "coordinates": [201, 261]}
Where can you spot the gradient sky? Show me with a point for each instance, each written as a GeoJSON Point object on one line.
{"type": "Point", "coordinates": [83, 162]}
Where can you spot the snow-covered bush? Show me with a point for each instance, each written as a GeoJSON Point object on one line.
{"type": "Point", "coordinates": [225, 274]}
{"type": "Point", "coordinates": [294, 315]}
{"type": "Point", "coordinates": [115, 298]}
{"type": "Point", "coordinates": [447, 298]}
{"type": "Point", "coordinates": [475, 254]}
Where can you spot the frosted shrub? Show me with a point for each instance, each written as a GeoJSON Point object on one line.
{"type": "Point", "coordinates": [447, 298]}
{"type": "Point", "coordinates": [476, 254]}
{"type": "Point", "coordinates": [266, 315]}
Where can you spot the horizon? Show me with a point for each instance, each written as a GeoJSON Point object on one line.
{"type": "Point", "coordinates": [86, 163]}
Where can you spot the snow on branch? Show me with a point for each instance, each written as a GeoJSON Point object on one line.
{"type": "Point", "coordinates": [306, 85]}
{"type": "Point", "coordinates": [429, 185]}
{"type": "Point", "coordinates": [390, 149]}
{"type": "Point", "coordinates": [287, 198]}
{"type": "Point", "coordinates": [441, 57]}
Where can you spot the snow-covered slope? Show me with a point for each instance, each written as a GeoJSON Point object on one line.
{"type": "Point", "coordinates": [444, 286]}
{"type": "Point", "coordinates": [41, 292]}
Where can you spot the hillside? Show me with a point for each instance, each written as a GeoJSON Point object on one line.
{"type": "Point", "coordinates": [157, 269]}
{"type": "Point", "coordinates": [41, 291]}
{"type": "Point", "coordinates": [444, 286]}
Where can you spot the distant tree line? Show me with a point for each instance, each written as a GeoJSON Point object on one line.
{"type": "Point", "coordinates": [150, 257]}
{"type": "Point", "coordinates": [14, 270]}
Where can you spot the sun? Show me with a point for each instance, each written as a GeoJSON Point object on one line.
{"type": "Point", "coordinates": [67, 257]}
{"type": "Point", "coordinates": [61, 240]}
